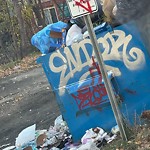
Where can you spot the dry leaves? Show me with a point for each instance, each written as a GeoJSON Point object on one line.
{"type": "Point", "coordinates": [25, 64]}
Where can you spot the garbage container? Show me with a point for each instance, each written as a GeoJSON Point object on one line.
{"type": "Point", "coordinates": [83, 104]}
{"type": "Point", "coordinates": [77, 83]}
{"type": "Point", "coordinates": [80, 93]}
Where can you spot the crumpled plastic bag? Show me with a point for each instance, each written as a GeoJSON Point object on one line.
{"type": "Point", "coordinates": [88, 146]}
{"type": "Point", "coordinates": [56, 133]}
{"type": "Point", "coordinates": [25, 136]}
{"type": "Point", "coordinates": [58, 120]}
{"type": "Point", "coordinates": [93, 135]}
{"type": "Point", "coordinates": [74, 35]}
{"type": "Point", "coordinates": [50, 141]}
{"type": "Point", "coordinates": [115, 130]}
{"type": "Point", "coordinates": [60, 124]}
{"type": "Point", "coordinates": [51, 132]}
{"type": "Point", "coordinates": [54, 148]}
{"type": "Point", "coordinates": [42, 39]}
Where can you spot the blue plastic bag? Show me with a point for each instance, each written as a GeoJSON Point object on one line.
{"type": "Point", "coordinates": [42, 39]}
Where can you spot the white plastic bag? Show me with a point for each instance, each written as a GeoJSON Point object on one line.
{"type": "Point", "coordinates": [60, 125]}
{"type": "Point", "coordinates": [115, 130]}
{"type": "Point", "coordinates": [88, 146]}
{"type": "Point", "coordinates": [91, 136]}
{"type": "Point", "coordinates": [74, 35]}
{"type": "Point", "coordinates": [25, 136]}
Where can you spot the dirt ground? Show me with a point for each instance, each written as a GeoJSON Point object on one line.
{"type": "Point", "coordinates": [25, 99]}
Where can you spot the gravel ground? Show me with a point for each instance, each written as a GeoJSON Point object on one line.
{"type": "Point", "coordinates": [25, 99]}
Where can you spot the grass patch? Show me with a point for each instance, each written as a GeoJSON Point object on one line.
{"type": "Point", "coordinates": [139, 141]}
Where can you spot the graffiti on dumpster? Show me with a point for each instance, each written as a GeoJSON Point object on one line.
{"type": "Point", "coordinates": [116, 46]}
{"type": "Point", "coordinates": [90, 96]}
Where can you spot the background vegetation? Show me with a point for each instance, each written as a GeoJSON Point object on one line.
{"type": "Point", "coordinates": [16, 29]}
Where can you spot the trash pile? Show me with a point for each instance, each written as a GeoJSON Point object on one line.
{"type": "Point", "coordinates": [57, 35]}
{"type": "Point", "coordinates": [60, 34]}
{"type": "Point", "coordinates": [57, 137]}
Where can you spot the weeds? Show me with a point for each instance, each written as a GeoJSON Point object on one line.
{"type": "Point", "coordinates": [140, 140]}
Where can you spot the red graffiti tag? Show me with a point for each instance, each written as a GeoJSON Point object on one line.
{"type": "Point", "coordinates": [95, 66]}
{"type": "Point", "coordinates": [82, 4]}
{"type": "Point", "coordinates": [91, 95]}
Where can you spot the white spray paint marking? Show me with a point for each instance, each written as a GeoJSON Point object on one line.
{"type": "Point", "coordinates": [111, 52]}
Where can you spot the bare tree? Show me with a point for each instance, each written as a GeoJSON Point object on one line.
{"type": "Point", "coordinates": [15, 45]}
{"type": "Point", "coordinates": [18, 10]}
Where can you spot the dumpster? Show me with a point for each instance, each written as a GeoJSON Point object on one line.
{"type": "Point", "coordinates": [76, 80]}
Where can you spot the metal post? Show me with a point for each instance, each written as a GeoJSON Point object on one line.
{"type": "Point", "coordinates": [108, 86]}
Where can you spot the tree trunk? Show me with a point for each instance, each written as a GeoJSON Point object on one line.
{"type": "Point", "coordinates": [23, 43]}
{"type": "Point", "coordinates": [12, 28]}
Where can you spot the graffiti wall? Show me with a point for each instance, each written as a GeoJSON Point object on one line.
{"type": "Point", "coordinates": [76, 80]}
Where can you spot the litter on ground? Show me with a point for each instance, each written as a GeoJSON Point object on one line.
{"type": "Point", "coordinates": [58, 137]}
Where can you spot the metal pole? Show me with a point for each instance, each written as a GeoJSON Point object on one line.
{"type": "Point", "coordinates": [108, 86]}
